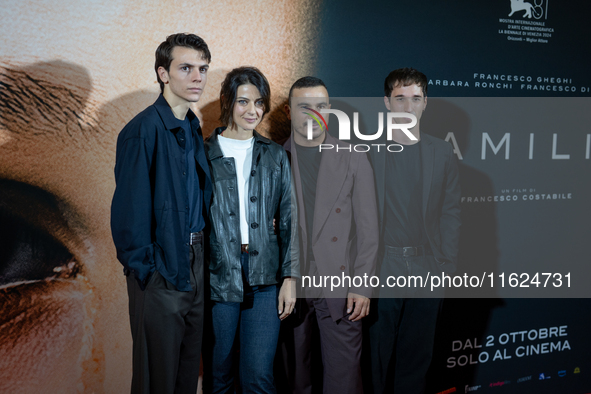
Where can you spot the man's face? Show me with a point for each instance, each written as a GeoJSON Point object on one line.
{"type": "Point", "coordinates": [298, 111]}
{"type": "Point", "coordinates": [409, 99]}
{"type": "Point", "coordinates": [187, 76]}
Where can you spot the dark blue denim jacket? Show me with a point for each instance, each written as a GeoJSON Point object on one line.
{"type": "Point", "coordinates": [150, 210]}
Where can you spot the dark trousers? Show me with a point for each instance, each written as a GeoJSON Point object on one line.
{"type": "Point", "coordinates": [167, 330]}
{"type": "Point", "coordinates": [402, 330]}
{"type": "Point", "coordinates": [340, 345]}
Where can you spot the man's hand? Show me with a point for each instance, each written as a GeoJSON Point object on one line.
{"type": "Point", "coordinates": [287, 297]}
{"type": "Point", "coordinates": [361, 306]}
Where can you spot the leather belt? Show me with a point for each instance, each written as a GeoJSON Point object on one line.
{"type": "Point", "coordinates": [407, 251]}
{"type": "Point", "coordinates": [244, 248]}
{"type": "Point", "coordinates": [196, 238]}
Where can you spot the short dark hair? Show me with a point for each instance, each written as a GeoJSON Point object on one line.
{"type": "Point", "coordinates": [164, 51]}
{"type": "Point", "coordinates": [405, 77]}
{"type": "Point", "coordinates": [305, 82]}
{"type": "Point", "coordinates": [235, 78]}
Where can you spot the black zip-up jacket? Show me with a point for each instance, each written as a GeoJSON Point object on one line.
{"type": "Point", "coordinates": [270, 196]}
{"type": "Point", "coordinates": [150, 209]}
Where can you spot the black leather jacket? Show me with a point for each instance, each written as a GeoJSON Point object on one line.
{"type": "Point", "coordinates": [269, 197]}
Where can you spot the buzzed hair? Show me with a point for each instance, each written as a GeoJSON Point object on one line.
{"type": "Point", "coordinates": [306, 82]}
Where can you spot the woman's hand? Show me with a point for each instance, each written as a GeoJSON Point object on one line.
{"type": "Point", "coordinates": [287, 297]}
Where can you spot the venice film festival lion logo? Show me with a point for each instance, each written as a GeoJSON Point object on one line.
{"type": "Point", "coordinates": [536, 9]}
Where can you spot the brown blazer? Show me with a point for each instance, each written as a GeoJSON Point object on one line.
{"type": "Point", "coordinates": [345, 234]}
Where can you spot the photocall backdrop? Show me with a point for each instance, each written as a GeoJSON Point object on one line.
{"type": "Point", "coordinates": [472, 52]}
{"type": "Point", "coordinates": [72, 73]}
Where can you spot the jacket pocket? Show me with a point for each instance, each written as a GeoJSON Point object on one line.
{"type": "Point", "coordinates": [270, 179]}
{"type": "Point", "coordinates": [215, 258]}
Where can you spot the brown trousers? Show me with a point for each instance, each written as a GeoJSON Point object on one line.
{"type": "Point", "coordinates": [340, 348]}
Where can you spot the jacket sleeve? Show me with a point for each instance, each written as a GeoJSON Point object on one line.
{"type": "Point", "coordinates": [290, 265]}
{"type": "Point", "coordinates": [365, 212]}
{"type": "Point", "coordinates": [450, 221]}
{"type": "Point", "coordinates": [131, 210]}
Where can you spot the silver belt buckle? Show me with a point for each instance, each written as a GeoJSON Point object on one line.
{"type": "Point", "coordinates": [409, 251]}
{"type": "Point", "coordinates": [194, 238]}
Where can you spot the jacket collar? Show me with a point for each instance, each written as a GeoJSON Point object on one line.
{"type": "Point", "coordinates": [333, 171]}
{"type": "Point", "coordinates": [290, 144]}
{"type": "Point", "coordinates": [170, 122]}
{"type": "Point", "coordinates": [212, 143]}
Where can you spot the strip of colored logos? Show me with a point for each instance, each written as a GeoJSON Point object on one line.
{"type": "Point", "coordinates": [315, 118]}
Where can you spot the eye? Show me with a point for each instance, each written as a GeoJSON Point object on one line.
{"type": "Point", "coordinates": [28, 250]}
{"type": "Point", "coordinates": [400, 99]}
{"type": "Point", "coordinates": [242, 102]}
{"type": "Point", "coordinates": [203, 70]}
{"type": "Point", "coordinates": [259, 103]}
{"type": "Point", "coordinates": [185, 68]}
{"type": "Point", "coordinates": [417, 99]}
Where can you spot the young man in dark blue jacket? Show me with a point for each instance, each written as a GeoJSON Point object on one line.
{"type": "Point", "coordinates": [157, 218]}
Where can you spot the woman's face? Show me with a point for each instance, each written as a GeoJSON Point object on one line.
{"type": "Point", "coordinates": [248, 108]}
{"type": "Point", "coordinates": [63, 301]}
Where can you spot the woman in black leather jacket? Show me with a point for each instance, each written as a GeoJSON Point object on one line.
{"type": "Point", "coordinates": [250, 266]}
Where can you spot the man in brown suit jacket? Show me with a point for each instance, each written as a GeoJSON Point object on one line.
{"type": "Point", "coordinates": [338, 238]}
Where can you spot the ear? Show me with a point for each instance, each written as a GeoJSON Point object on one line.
{"type": "Point", "coordinates": [287, 110]}
{"type": "Point", "coordinates": [387, 102]}
{"type": "Point", "coordinates": [163, 74]}
{"type": "Point", "coordinates": [425, 107]}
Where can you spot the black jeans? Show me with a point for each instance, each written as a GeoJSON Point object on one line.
{"type": "Point", "coordinates": [402, 327]}
{"type": "Point", "coordinates": [167, 331]}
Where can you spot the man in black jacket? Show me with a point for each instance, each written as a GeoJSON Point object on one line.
{"type": "Point", "coordinates": [419, 211]}
{"type": "Point", "coordinates": [158, 213]}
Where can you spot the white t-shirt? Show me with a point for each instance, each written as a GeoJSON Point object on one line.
{"type": "Point", "coordinates": [241, 151]}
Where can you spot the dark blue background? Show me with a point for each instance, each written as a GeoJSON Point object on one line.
{"type": "Point", "coordinates": [360, 43]}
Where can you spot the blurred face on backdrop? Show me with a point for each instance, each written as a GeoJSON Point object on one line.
{"type": "Point", "coordinates": [56, 268]}
{"type": "Point", "coordinates": [63, 299]}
